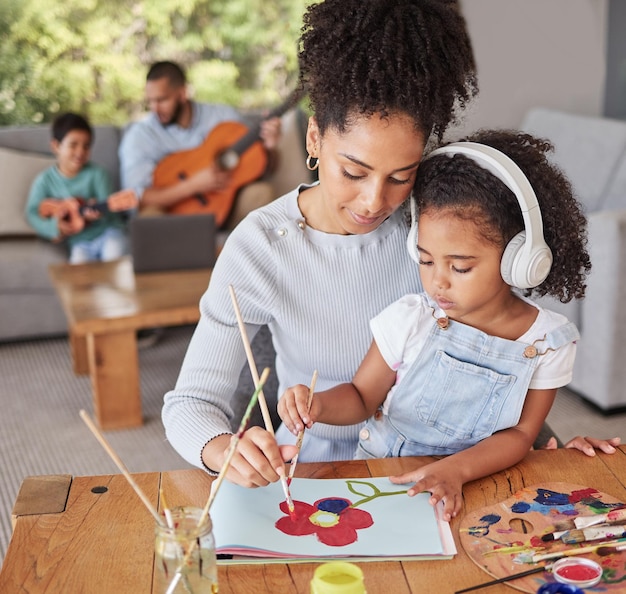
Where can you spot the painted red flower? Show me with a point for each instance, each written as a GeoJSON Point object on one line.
{"type": "Point", "coordinates": [333, 520]}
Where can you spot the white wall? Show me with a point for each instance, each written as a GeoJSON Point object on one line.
{"type": "Point", "coordinates": [549, 53]}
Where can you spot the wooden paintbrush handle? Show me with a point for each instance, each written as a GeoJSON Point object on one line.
{"type": "Point", "coordinates": [507, 578]}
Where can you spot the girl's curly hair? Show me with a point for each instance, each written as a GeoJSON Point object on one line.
{"type": "Point", "coordinates": [361, 57]}
{"type": "Point", "coordinates": [471, 192]}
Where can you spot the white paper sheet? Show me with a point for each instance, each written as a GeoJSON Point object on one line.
{"type": "Point", "coordinates": [244, 520]}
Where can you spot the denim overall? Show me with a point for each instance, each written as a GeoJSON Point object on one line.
{"type": "Point", "coordinates": [464, 386]}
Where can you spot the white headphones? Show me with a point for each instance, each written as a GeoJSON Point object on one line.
{"type": "Point", "coordinates": [527, 259]}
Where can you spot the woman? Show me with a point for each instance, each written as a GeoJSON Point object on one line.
{"type": "Point", "coordinates": [315, 265]}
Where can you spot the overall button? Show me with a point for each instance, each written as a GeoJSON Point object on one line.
{"type": "Point", "coordinates": [364, 434]}
{"type": "Point", "coordinates": [282, 232]}
{"type": "Point", "coordinates": [530, 352]}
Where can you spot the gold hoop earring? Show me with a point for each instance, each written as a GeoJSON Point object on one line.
{"type": "Point", "coordinates": [315, 165]}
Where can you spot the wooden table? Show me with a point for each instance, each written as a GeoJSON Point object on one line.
{"type": "Point", "coordinates": [105, 304]}
{"type": "Point", "coordinates": [68, 538]}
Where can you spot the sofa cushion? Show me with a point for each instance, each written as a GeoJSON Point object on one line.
{"type": "Point", "coordinates": [104, 151]}
{"type": "Point", "coordinates": [17, 171]}
{"type": "Point", "coordinates": [587, 149]}
{"type": "Point", "coordinates": [24, 263]}
{"type": "Point", "coordinates": [291, 169]}
{"type": "Point", "coordinates": [615, 198]}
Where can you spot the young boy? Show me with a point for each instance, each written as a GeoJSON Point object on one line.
{"type": "Point", "coordinates": [72, 200]}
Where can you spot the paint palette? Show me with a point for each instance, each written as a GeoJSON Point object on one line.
{"type": "Point", "coordinates": [502, 538]}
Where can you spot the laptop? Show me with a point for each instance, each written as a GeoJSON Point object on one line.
{"type": "Point", "coordinates": [172, 242]}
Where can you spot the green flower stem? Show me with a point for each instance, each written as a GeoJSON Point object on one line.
{"type": "Point", "coordinates": [376, 492]}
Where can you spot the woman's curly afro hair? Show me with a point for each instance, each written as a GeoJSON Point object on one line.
{"type": "Point", "coordinates": [361, 57]}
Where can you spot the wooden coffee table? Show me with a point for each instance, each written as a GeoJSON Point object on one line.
{"type": "Point", "coordinates": [105, 304]}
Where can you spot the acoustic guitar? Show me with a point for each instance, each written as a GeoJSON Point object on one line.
{"type": "Point", "coordinates": [233, 147]}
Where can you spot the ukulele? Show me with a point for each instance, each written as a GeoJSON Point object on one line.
{"type": "Point", "coordinates": [233, 147]}
{"type": "Point", "coordinates": [51, 206]}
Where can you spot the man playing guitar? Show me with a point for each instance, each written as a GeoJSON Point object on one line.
{"type": "Point", "coordinates": [175, 125]}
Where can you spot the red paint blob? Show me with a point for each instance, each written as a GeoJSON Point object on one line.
{"type": "Point", "coordinates": [579, 573]}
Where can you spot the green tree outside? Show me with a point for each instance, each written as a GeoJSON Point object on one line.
{"type": "Point", "coordinates": [92, 56]}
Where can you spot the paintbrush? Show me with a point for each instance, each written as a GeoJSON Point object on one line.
{"type": "Point", "coordinates": [170, 524]}
{"type": "Point", "coordinates": [565, 531]}
{"type": "Point", "coordinates": [233, 444]}
{"type": "Point", "coordinates": [167, 512]}
{"type": "Point", "coordinates": [602, 549]}
{"type": "Point", "coordinates": [594, 533]}
{"type": "Point", "coordinates": [616, 516]}
{"type": "Point", "coordinates": [118, 462]}
{"type": "Point", "coordinates": [294, 460]}
{"type": "Point", "coordinates": [267, 419]}
{"type": "Point", "coordinates": [507, 578]}
{"type": "Point", "coordinates": [222, 474]}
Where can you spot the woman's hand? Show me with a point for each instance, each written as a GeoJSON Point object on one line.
{"type": "Point", "coordinates": [256, 461]}
{"type": "Point", "coordinates": [441, 480]}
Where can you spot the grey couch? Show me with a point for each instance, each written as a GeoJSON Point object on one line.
{"type": "Point", "coordinates": [29, 307]}
{"type": "Point", "coordinates": [592, 153]}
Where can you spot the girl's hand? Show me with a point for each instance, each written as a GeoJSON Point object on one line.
{"type": "Point", "coordinates": [589, 445]}
{"type": "Point", "coordinates": [292, 409]}
{"type": "Point", "coordinates": [441, 481]}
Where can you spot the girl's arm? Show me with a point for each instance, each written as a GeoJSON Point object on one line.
{"type": "Point", "coordinates": [445, 478]}
{"type": "Point", "coordinates": [345, 404]}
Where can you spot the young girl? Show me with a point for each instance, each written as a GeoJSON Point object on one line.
{"type": "Point", "coordinates": [470, 367]}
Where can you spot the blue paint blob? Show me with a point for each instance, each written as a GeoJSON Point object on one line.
{"type": "Point", "coordinates": [547, 497]}
{"type": "Point", "coordinates": [333, 506]}
{"type": "Point", "coordinates": [490, 519]}
{"type": "Point", "coordinates": [483, 528]}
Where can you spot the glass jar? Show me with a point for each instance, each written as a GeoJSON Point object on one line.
{"type": "Point", "coordinates": [185, 554]}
